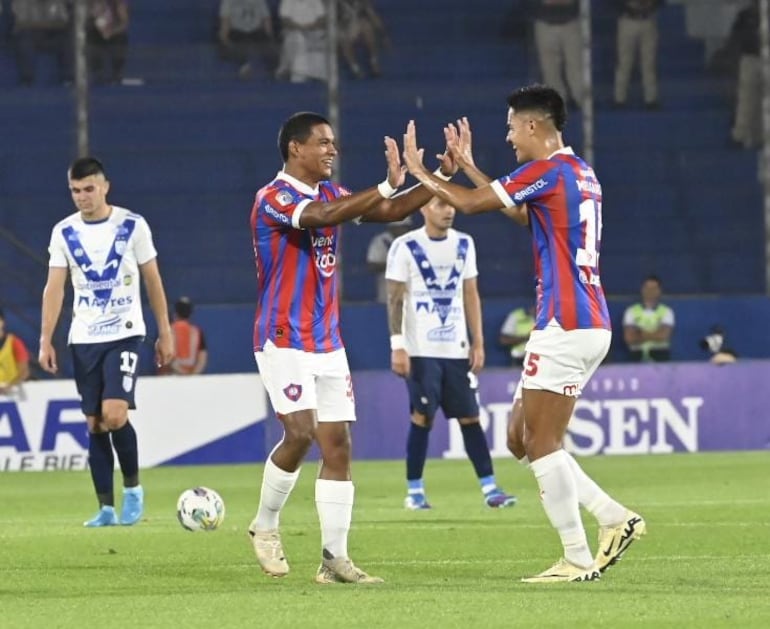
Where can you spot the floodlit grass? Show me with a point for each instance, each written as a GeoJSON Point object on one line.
{"type": "Point", "coordinates": [705, 561]}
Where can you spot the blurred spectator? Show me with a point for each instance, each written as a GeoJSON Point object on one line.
{"type": "Point", "coordinates": [42, 26]}
{"type": "Point", "coordinates": [715, 344]}
{"type": "Point", "coordinates": [360, 23]}
{"type": "Point", "coordinates": [245, 33]}
{"type": "Point", "coordinates": [744, 39]}
{"type": "Point", "coordinates": [637, 30]}
{"type": "Point", "coordinates": [107, 37]}
{"type": "Point", "coordinates": [377, 253]}
{"type": "Point", "coordinates": [14, 359]}
{"type": "Point", "coordinates": [303, 52]}
{"type": "Point", "coordinates": [515, 331]}
{"type": "Point", "coordinates": [190, 350]}
{"type": "Point", "coordinates": [559, 44]}
{"type": "Point", "coordinates": [647, 326]}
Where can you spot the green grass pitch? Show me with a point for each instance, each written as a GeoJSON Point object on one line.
{"type": "Point", "coordinates": [705, 561]}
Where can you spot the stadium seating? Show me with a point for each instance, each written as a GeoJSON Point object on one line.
{"type": "Point", "coordinates": [189, 147]}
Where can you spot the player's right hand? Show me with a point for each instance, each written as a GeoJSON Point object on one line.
{"type": "Point", "coordinates": [47, 358]}
{"type": "Point", "coordinates": [399, 362]}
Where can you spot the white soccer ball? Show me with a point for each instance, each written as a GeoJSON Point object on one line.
{"type": "Point", "coordinates": [200, 509]}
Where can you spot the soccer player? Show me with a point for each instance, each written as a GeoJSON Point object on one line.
{"type": "Point", "coordinates": [432, 290]}
{"type": "Point", "coordinates": [297, 342]}
{"type": "Point", "coordinates": [557, 194]}
{"type": "Point", "coordinates": [105, 249]}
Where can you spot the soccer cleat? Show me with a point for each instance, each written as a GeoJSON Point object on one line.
{"type": "Point", "coordinates": [343, 570]}
{"type": "Point", "coordinates": [269, 550]}
{"type": "Point", "coordinates": [614, 540]}
{"type": "Point", "coordinates": [106, 516]}
{"type": "Point", "coordinates": [416, 502]}
{"type": "Point", "coordinates": [564, 570]}
{"type": "Point", "coordinates": [133, 505]}
{"type": "Point", "coordinates": [498, 499]}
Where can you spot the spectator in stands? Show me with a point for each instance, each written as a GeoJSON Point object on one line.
{"type": "Point", "coordinates": [42, 26]}
{"type": "Point", "coordinates": [647, 326]}
{"type": "Point", "coordinates": [744, 39]}
{"type": "Point", "coordinates": [190, 353]}
{"type": "Point", "coordinates": [360, 23]}
{"type": "Point", "coordinates": [107, 37]}
{"type": "Point", "coordinates": [637, 30]}
{"type": "Point", "coordinates": [303, 52]}
{"type": "Point", "coordinates": [514, 333]}
{"type": "Point", "coordinates": [14, 359]}
{"type": "Point", "coordinates": [245, 33]}
{"type": "Point", "coordinates": [716, 345]}
{"type": "Point", "coordinates": [377, 253]}
{"type": "Point", "coordinates": [559, 44]}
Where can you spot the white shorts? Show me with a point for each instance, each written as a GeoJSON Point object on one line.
{"type": "Point", "coordinates": [563, 361]}
{"type": "Point", "coordinates": [297, 381]}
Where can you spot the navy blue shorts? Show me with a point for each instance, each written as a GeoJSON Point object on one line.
{"type": "Point", "coordinates": [106, 371]}
{"type": "Point", "coordinates": [442, 382]}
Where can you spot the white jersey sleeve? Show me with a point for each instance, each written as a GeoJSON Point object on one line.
{"type": "Point", "coordinates": [471, 270]}
{"type": "Point", "coordinates": [144, 249]}
{"type": "Point", "coordinates": [397, 267]}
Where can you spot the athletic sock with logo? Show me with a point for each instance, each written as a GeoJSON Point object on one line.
{"type": "Point", "coordinates": [558, 494]}
{"type": "Point", "coordinates": [334, 502]}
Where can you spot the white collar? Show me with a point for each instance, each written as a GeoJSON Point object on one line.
{"type": "Point", "coordinates": [567, 150]}
{"type": "Point", "coordinates": [296, 183]}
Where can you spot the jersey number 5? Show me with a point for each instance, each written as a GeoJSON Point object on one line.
{"type": "Point", "coordinates": [591, 223]}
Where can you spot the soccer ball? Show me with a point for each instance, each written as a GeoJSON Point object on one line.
{"type": "Point", "coordinates": [200, 509]}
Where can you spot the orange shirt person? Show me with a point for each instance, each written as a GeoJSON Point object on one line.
{"type": "Point", "coordinates": [14, 359]}
{"type": "Point", "coordinates": [189, 342]}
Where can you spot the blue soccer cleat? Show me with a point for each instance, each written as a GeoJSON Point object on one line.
{"type": "Point", "coordinates": [106, 516]}
{"type": "Point", "coordinates": [133, 505]}
{"type": "Point", "coordinates": [498, 499]}
{"type": "Point", "coordinates": [416, 502]}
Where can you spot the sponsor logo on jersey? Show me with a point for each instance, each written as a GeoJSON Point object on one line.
{"type": "Point", "coordinates": [521, 195]}
{"type": "Point", "coordinates": [275, 214]}
{"type": "Point", "coordinates": [443, 334]}
{"type": "Point", "coordinates": [105, 326]}
{"type": "Point", "coordinates": [325, 255]}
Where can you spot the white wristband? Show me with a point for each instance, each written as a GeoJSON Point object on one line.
{"type": "Point", "coordinates": [397, 342]}
{"type": "Point", "coordinates": [441, 175]}
{"type": "Point", "coordinates": [386, 190]}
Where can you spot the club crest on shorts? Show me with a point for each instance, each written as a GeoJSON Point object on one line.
{"type": "Point", "coordinates": [293, 392]}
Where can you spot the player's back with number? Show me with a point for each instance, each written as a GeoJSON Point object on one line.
{"type": "Point", "coordinates": [564, 199]}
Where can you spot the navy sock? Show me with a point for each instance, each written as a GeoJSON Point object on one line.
{"type": "Point", "coordinates": [416, 451]}
{"type": "Point", "coordinates": [101, 460]}
{"type": "Point", "coordinates": [477, 449]}
{"type": "Point", "coordinates": [124, 440]}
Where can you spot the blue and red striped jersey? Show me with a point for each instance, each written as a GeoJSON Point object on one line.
{"type": "Point", "coordinates": [564, 201]}
{"type": "Point", "coordinates": [297, 300]}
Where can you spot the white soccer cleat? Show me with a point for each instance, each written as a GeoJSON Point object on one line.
{"type": "Point", "coordinates": [564, 570]}
{"type": "Point", "coordinates": [269, 551]}
{"type": "Point", "coordinates": [614, 540]}
{"type": "Point", "coordinates": [343, 570]}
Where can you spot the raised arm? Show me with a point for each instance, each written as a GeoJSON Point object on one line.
{"type": "Point", "coordinates": [323, 214]}
{"type": "Point", "coordinates": [466, 200]}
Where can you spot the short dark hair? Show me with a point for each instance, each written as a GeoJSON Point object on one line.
{"type": "Point", "coordinates": [298, 127]}
{"type": "Point", "coordinates": [85, 167]}
{"type": "Point", "coordinates": [653, 278]}
{"type": "Point", "coordinates": [543, 99]}
{"type": "Point", "coordinates": [183, 308]}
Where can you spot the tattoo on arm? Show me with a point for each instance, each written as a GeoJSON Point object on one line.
{"type": "Point", "coordinates": [396, 292]}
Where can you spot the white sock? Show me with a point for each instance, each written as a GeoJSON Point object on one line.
{"type": "Point", "coordinates": [558, 494]}
{"type": "Point", "coordinates": [596, 501]}
{"type": "Point", "coordinates": [334, 502]}
{"type": "Point", "coordinates": [276, 487]}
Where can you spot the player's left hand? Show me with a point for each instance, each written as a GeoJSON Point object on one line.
{"type": "Point", "coordinates": [412, 154]}
{"type": "Point", "coordinates": [476, 358]}
{"type": "Point", "coordinates": [164, 350]}
{"type": "Point", "coordinates": [396, 172]}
